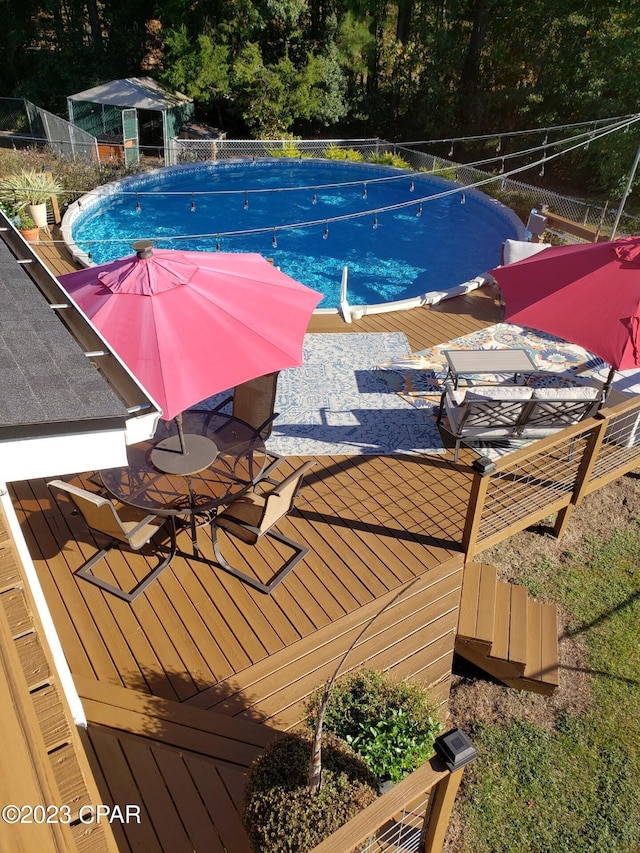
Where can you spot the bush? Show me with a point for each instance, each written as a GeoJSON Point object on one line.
{"type": "Point", "coordinates": [335, 153]}
{"type": "Point", "coordinates": [391, 724]}
{"type": "Point", "coordinates": [75, 176]}
{"type": "Point", "coordinates": [281, 815]}
{"type": "Point", "coordinates": [389, 159]}
{"type": "Point", "coordinates": [287, 148]}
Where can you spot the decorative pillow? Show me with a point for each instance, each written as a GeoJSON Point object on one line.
{"type": "Point", "coordinates": [499, 392]}
{"type": "Point", "coordinates": [584, 392]}
{"type": "Point", "coordinates": [517, 250]}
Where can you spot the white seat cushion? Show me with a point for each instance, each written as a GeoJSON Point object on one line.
{"type": "Point", "coordinates": [498, 392]}
{"type": "Point", "coordinates": [516, 250]}
{"type": "Point", "coordinates": [582, 392]}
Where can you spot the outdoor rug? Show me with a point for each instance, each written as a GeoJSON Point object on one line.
{"type": "Point", "coordinates": [417, 378]}
{"type": "Point", "coordinates": [336, 403]}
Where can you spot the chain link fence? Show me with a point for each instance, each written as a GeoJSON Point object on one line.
{"type": "Point", "coordinates": [522, 196]}
{"type": "Point", "coordinates": [23, 124]}
{"type": "Point", "coordinates": [204, 150]}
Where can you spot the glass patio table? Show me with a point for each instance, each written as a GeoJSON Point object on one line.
{"type": "Point", "coordinates": [234, 456]}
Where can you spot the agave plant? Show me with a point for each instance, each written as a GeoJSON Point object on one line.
{"type": "Point", "coordinates": [28, 187]}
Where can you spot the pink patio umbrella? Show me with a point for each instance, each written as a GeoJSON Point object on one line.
{"type": "Point", "coordinates": [191, 324]}
{"type": "Point", "coordinates": [587, 294]}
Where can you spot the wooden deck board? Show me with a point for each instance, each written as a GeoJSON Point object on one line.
{"type": "Point", "coordinates": [383, 532]}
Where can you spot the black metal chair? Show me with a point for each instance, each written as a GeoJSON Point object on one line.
{"type": "Point", "coordinates": [101, 516]}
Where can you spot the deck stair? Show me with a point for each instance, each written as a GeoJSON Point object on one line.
{"type": "Point", "coordinates": [506, 633]}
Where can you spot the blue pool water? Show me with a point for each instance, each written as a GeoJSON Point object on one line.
{"type": "Point", "coordinates": [433, 245]}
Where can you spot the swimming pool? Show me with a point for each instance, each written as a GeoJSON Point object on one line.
{"type": "Point", "coordinates": [399, 234]}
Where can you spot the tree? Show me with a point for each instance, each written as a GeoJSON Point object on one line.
{"type": "Point", "coordinates": [199, 70]}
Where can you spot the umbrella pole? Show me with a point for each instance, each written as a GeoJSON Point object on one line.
{"type": "Point", "coordinates": [607, 383]}
{"type": "Point", "coordinates": [183, 446]}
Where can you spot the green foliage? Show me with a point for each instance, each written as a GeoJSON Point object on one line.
{"type": "Point", "coordinates": [392, 724]}
{"type": "Point", "coordinates": [73, 176]}
{"type": "Point", "coordinates": [334, 152]}
{"type": "Point", "coordinates": [199, 68]}
{"type": "Point", "coordinates": [281, 815]}
{"type": "Point", "coordinates": [27, 187]}
{"type": "Point", "coordinates": [9, 210]}
{"type": "Point", "coordinates": [390, 159]}
{"type": "Point", "coordinates": [25, 222]}
{"type": "Point", "coordinates": [287, 148]}
{"type": "Point", "coordinates": [395, 745]}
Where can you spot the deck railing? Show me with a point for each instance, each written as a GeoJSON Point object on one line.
{"type": "Point", "coordinates": [551, 476]}
{"type": "Point", "coordinates": [412, 816]}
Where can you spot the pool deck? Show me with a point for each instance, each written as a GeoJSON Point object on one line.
{"type": "Point", "coordinates": [183, 688]}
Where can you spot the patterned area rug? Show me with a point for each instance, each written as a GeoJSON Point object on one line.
{"type": "Point", "coordinates": [336, 403]}
{"type": "Point", "coordinates": [417, 378]}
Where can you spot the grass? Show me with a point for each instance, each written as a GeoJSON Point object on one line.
{"type": "Point", "coordinates": [575, 789]}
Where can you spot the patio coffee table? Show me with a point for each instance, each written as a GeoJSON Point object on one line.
{"type": "Point", "coordinates": [196, 490]}
{"type": "Point", "coordinates": [463, 361]}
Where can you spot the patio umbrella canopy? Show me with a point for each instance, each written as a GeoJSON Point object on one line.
{"type": "Point", "coordinates": [588, 295]}
{"type": "Point", "coordinates": [191, 324]}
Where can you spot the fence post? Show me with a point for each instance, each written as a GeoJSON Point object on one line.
{"type": "Point", "coordinates": [455, 750]}
{"type": "Point", "coordinates": [589, 458]}
{"type": "Point", "coordinates": [483, 468]}
{"type": "Point", "coordinates": [444, 796]}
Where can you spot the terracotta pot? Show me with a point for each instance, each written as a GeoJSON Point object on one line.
{"type": "Point", "coordinates": [31, 235]}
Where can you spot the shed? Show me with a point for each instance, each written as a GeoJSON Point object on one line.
{"type": "Point", "coordinates": [126, 115]}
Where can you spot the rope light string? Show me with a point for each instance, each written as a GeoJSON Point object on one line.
{"type": "Point", "coordinates": [615, 124]}
{"type": "Point", "coordinates": [506, 134]}
{"type": "Point", "coordinates": [416, 202]}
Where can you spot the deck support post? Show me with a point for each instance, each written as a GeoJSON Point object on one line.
{"type": "Point", "coordinates": [589, 458]}
{"type": "Point", "coordinates": [437, 822]}
{"type": "Point", "coordinates": [477, 497]}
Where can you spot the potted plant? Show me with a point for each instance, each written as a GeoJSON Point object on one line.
{"type": "Point", "coordinates": [282, 815]}
{"type": "Point", "coordinates": [392, 724]}
{"type": "Point", "coordinates": [29, 190]}
{"type": "Point", "coordinates": [10, 212]}
{"type": "Point", "coordinates": [27, 227]}
{"type": "Point", "coordinates": [302, 788]}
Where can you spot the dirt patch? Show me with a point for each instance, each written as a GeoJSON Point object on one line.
{"type": "Point", "coordinates": [475, 697]}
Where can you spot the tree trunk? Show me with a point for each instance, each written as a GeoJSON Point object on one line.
{"type": "Point", "coordinates": [94, 24]}
{"type": "Point", "coordinates": [470, 104]}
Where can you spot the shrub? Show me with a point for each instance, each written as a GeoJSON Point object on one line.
{"type": "Point", "coordinates": [286, 148]}
{"type": "Point", "coordinates": [281, 815]}
{"type": "Point", "coordinates": [24, 222]}
{"type": "Point", "coordinates": [390, 159]}
{"type": "Point", "coordinates": [75, 176]}
{"type": "Point", "coordinates": [333, 152]}
{"type": "Point", "coordinates": [28, 187]}
{"type": "Point", "coordinates": [392, 724]}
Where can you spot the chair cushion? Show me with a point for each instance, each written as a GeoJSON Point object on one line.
{"type": "Point", "coordinates": [498, 392]}
{"type": "Point", "coordinates": [517, 250]}
{"type": "Point", "coordinates": [142, 536]}
{"type": "Point", "coordinates": [246, 510]}
{"type": "Point", "coordinates": [582, 392]}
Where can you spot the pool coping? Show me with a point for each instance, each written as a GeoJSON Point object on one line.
{"type": "Point", "coordinates": [349, 312]}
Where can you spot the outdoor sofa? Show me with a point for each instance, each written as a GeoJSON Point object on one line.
{"type": "Point", "coordinates": [502, 412]}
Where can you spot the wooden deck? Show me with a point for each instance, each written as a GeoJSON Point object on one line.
{"type": "Point", "coordinates": [185, 686]}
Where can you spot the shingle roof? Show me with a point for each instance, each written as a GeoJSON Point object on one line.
{"type": "Point", "coordinates": [46, 381]}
